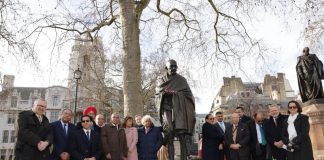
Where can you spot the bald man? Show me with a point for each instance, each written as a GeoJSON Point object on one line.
{"type": "Point", "coordinates": [113, 138]}
{"type": "Point", "coordinates": [237, 138]}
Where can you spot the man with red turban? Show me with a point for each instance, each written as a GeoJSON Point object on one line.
{"type": "Point", "coordinates": [92, 112]}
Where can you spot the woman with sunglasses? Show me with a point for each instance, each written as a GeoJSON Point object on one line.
{"type": "Point", "coordinates": [212, 137]}
{"type": "Point", "coordinates": [296, 134]}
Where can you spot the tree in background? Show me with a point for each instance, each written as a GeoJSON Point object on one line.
{"type": "Point", "coordinates": [213, 32]}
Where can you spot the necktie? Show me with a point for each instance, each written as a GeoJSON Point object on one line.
{"type": "Point", "coordinates": [234, 133]}
{"type": "Point", "coordinates": [222, 126]}
{"type": "Point", "coordinates": [264, 141]}
{"type": "Point", "coordinates": [65, 129]}
{"type": "Point", "coordinates": [40, 118]}
{"type": "Point", "coordinates": [275, 120]}
{"type": "Point", "coordinates": [88, 135]}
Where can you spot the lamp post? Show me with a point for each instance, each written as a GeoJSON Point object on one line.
{"type": "Point", "coordinates": [76, 76]}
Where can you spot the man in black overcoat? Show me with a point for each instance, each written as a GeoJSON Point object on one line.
{"type": "Point", "coordinates": [34, 133]}
{"type": "Point", "coordinates": [273, 129]}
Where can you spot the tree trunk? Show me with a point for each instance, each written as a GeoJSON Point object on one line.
{"type": "Point", "coordinates": [131, 55]}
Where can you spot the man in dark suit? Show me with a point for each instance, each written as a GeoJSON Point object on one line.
{"type": "Point", "coordinates": [92, 112]}
{"type": "Point", "coordinates": [273, 129]}
{"type": "Point", "coordinates": [243, 118]}
{"type": "Point", "coordinates": [34, 133]}
{"type": "Point", "coordinates": [258, 145]}
{"type": "Point", "coordinates": [62, 130]}
{"type": "Point", "coordinates": [237, 138]}
{"type": "Point", "coordinates": [85, 143]}
{"type": "Point", "coordinates": [222, 126]}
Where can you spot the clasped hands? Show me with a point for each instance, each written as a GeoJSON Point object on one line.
{"type": "Point", "coordinates": [168, 90]}
{"type": "Point", "coordinates": [235, 146]}
{"type": "Point", "coordinates": [108, 156]}
{"type": "Point", "coordinates": [42, 145]}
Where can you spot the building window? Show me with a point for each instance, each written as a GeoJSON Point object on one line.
{"type": "Point", "coordinates": [5, 136]}
{"type": "Point", "coordinates": [11, 118]}
{"type": "Point", "coordinates": [2, 154]}
{"type": "Point", "coordinates": [56, 100]}
{"type": "Point", "coordinates": [54, 116]}
{"type": "Point", "coordinates": [10, 154]}
{"type": "Point", "coordinates": [86, 61]}
{"type": "Point", "coordinates": [14, 102]}
{"type": "Point", "coordinates": [13, 136]}
{"type": "Point", "coordinates": [33, 100]}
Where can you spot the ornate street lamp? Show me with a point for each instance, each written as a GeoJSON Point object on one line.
{"type": "Point", "coordinates": [77, 75]}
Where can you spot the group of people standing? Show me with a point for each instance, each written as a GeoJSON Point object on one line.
{"type": "Point", "coordinates": [280, 137]}
{"type": "Point", "coordinates": [90, 139]}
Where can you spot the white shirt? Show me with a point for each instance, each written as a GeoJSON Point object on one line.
{"type": "Point", "coordinates": [85, 131]}
{"type": "Point", "coordinates": [116, 125]}
{"type": "Point", "coordinates": [222, 125]}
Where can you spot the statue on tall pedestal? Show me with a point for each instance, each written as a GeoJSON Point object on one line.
{"type": "Point", "coordinates": [176, 106]}
{"type": "Point", "coordinates": [309, 74]}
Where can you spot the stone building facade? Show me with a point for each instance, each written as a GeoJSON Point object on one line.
{"type": "Point", "coordinates": [16, 99]}
{"type": "Point", "coordinates": [253, 96]}
{"type": "Point", "coordinates": [89, 57]}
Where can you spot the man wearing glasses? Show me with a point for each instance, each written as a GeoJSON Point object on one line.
{"type": "Point", "coordinates": [113, 139]}
{"type": "Point", "coordinates": [34, 133]}
{"type": "Point", "coordinates": [258, 144]}
{"type": "Point", "coordinates": [85, 143]}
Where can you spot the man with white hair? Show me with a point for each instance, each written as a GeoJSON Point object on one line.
{"type": "Point", "coordinates": [237, 138]}
{"type": "Point", "coordinates": [34, 133]}
{"type": "Point", "coordinates": [273, 129]}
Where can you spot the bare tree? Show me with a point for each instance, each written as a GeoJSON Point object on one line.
{"type": "Point", "coordinates": [314, 15]}
{"type": "Point", "coordinates": [210, 30]}
{"type": "Point", "coordinates": [13, 25]}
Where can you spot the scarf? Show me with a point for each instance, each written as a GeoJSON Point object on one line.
{"type": "Point", "coordinates": [291, 127]}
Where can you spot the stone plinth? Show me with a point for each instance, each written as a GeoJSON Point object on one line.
{"type": "Point", "coordinates": [315, 111]}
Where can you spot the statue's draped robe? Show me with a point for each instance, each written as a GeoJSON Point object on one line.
{"type": "Point", "coordinates": [183, 104]}
{"type": "Point", "coordinates": [309, 74]}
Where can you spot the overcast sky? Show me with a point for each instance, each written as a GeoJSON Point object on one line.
{"type": "Point", "coordinates": [282, 38]}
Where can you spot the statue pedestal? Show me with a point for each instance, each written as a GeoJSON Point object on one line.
{"type": "Point", "coordinates": [315, 111]}
{"type": "Point", "coordinates": [176, 150]}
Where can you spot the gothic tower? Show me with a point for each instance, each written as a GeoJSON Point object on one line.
{"type": "Point", "coordinates": [89, 57]}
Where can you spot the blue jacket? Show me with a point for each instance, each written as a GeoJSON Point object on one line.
{"type": "Point", "coordinates": [60, 140]}
{"type": "Point", "coordinates": [149, 144]}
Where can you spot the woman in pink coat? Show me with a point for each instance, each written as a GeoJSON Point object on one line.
{"type": "Point", "coordinates": [131, 138]}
